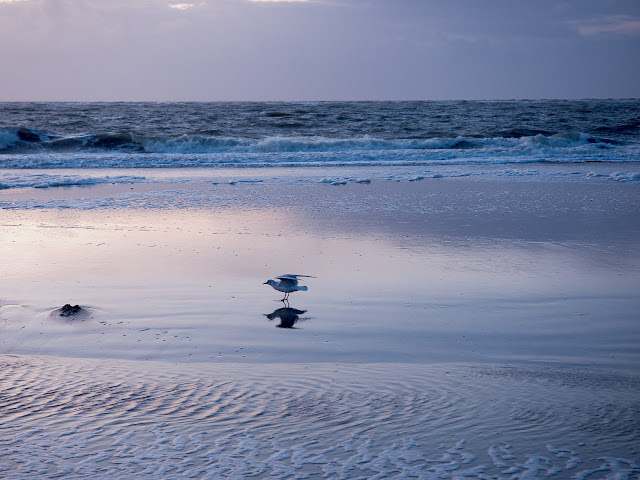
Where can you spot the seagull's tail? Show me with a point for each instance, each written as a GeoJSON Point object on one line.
{"type": "Point", "coordinates": [303, 288]}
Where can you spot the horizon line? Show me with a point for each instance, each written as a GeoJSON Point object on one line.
{"type": "Point", "coordinates": [505, 99]}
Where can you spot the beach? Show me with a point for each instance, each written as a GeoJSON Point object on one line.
{"type": "Point", "coordinates": [455, 326]}
{"type": "Point", "coordinates": [471, 304]}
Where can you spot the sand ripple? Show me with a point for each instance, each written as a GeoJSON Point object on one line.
{"type": "Point", "coordinates": [90, 419]}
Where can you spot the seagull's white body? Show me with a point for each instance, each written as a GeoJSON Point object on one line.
{"type": "Point", "coordinates": [287, 284]}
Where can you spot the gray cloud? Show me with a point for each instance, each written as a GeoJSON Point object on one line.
{"type": "Point", "coordinates": [329, 49]}
{"type": "Point", "coordinates": [613, 24]}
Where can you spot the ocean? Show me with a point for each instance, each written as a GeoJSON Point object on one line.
{"type": "Point", "coordinates": [472, 311]}
{"type": "Point", "coordinates": [431, 134]}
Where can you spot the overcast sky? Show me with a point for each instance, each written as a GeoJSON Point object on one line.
{"type": "Point", "coordinates": [318, 49]}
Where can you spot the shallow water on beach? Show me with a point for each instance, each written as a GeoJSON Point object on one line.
{"type": "Point", "coordinates": [401, 275]}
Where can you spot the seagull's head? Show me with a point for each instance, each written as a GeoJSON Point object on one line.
{"type": "Point", "coordinates": [270, 282]}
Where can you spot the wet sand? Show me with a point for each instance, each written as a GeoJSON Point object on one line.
{"type": "Point", "coordinates": [455, 327]}
{"type": "Point", "coordinates": [105, 419]}
{"type": "Point", "coordinates": [431, 271]}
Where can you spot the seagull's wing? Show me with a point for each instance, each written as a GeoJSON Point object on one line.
{"type": "Point", "coordinates": [292, 276]}
{"type": "Point", "coordinates": [288, 279]}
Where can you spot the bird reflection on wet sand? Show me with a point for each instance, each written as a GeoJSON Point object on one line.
{"type": "Point", "coordinates": [288, 316]}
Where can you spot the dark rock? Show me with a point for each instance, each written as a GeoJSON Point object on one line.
{"type": "Point", "coordinates": [69, 310]}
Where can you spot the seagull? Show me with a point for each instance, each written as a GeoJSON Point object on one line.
{"type": "Point", "coordinates": [288, 283]}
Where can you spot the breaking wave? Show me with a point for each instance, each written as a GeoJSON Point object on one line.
{"type": "Point", "coordinates": [126, 150]}
{"type": "Point", "coordinates": [23, 140]}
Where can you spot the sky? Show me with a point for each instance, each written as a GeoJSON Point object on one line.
{"type": "Point", "coordinates": [238, 50]}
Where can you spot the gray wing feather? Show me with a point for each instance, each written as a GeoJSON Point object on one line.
{"type": "Point", "coordinates": [290, 276]}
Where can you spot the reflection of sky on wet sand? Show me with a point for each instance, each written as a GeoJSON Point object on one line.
{"type": "Point", "coordinates": [186, 284]}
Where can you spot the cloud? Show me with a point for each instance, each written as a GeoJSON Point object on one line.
{"type": "Point", "coordinates": [616, 24]}
{"type": "Point", "coordinates": [181, 6]}
{"type": "Point", "coordinates": [12, 1]}
{"type": "Point", "coordinates": [280, 1]}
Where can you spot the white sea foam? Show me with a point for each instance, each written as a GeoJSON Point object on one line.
{"type": "Point", "coordinates": [344, 180]}
{"type": "Point", "coordinates": [48, 180]}
{"type": "Point", "coordinates": [625, 176]}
